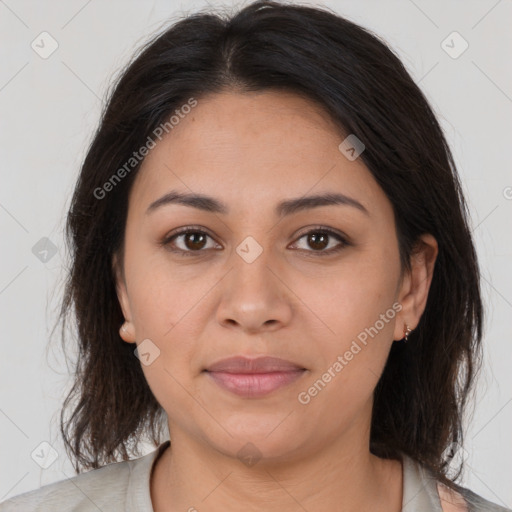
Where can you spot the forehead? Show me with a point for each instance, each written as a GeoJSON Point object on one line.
{"type": "Point", "coordinates": [253, 148]}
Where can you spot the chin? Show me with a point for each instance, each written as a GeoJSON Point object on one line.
{"type": "Point", "coordinates": [265, 440]}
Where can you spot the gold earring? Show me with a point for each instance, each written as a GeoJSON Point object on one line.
{"type": "Point", "coordinates": [407, 331]}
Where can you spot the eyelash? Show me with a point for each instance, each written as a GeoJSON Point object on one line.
{"type": "Point", "coordinates": [166, 242]}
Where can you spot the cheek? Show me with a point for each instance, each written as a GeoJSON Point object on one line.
{"type": "Point", "coordinates": [358, 315]}
{"type": "Point", "coordinates": [168, 309]}
{"type": "Point", "coordinates": [162, 310]}
{"type": "Point", "coordinates": [357, 309]}
{"type": "Point", "coordinates": [160, 295]}
{"type": "Point", "coordinates": [355, 294]}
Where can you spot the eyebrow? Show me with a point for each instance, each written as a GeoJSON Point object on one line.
{"type": "Point", "coordinates": [284, 208]}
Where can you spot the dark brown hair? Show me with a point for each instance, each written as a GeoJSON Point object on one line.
{"type": "Point", "coordinates": [423, 392]}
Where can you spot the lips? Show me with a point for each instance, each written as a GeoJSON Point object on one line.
{"type": "Point", "coordinates": [241, 365]}
{"type": "Point", "coordinates": [254, 378]}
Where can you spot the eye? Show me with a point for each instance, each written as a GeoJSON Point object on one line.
{"type": "Point", "coordinates": [187, 241]}
{"type": "Point", "coordinates": [320, 239]}
{"type": "Point", "coordinates": [190, 240]}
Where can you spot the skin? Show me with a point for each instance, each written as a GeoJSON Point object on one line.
{"type": "Point", "coordinates": [251, 151]}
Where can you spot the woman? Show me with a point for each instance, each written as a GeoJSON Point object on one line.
{"type": "Point", "coordinates": [272, 259]}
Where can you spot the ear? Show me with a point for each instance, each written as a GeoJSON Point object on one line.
{"type": "Point", "coordinates": [127, 330]}
{"type": "Point", "coordinates": [413, 292]}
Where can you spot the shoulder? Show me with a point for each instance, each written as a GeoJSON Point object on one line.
{"type": "Point", "coordinates": [451, 501]}
{"type": "Point", "coordinates": [422, 491]}
{"type": "Point", "coordinates": [465, 500]}
{"type": "Point", "coordinates": [95, 490]}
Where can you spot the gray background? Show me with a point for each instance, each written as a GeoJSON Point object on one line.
{"type": "Point", "coordinates": [50, 107]}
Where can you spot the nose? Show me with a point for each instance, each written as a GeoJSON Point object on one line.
{"type": "Point", "coordinates": [255, 296]}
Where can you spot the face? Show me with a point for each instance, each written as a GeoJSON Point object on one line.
{"type": "Point", "coordinates": [317, 284]}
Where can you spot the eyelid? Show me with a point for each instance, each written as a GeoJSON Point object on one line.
{"type": "Point", "coordinates": [186, 229]}
{"type": "Point", "coordinates": [319, 227]}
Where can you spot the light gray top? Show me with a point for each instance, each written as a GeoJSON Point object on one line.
{"type": "Point", "coordinates": [124, 487]}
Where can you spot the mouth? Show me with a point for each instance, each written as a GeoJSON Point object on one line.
{"type": "Point", "coordinates": [254, 385]}
{"type": "Point", "coordinates": [254, 378]}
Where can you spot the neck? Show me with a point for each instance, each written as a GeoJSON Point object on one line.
{"type": "Point", "coordinates": [342, 476]}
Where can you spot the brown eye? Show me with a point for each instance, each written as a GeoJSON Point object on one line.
{"type": "Point", "coordinates": [188, 241]}
{"type": "Point", "coordinates": [194, 241]}
{"type": "Point", "coordinates": [318, 241]}
{"type": "Point", "coordinates": [322, 241]}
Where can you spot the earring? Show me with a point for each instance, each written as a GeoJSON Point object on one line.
{"type": "Point", "coordinates": [407, 331]}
